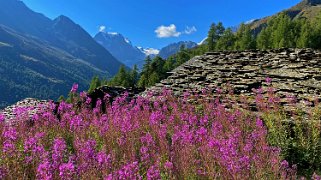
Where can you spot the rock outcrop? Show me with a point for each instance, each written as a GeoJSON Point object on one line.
{"type": "Point", "coordinates": [112, 93]}
{"type": "Point", "coordinates": [31, 106]}
{"type": "Point", "coordinates": [294, 72]}
{"type": "Point", "coordinates": [26, 107]}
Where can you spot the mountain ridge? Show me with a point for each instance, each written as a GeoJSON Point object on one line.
{"type": "Point", "coordinates": [42, 58]}
{"type": "Point", "coordinates": [121, 48]}
{"type": "Point", "coordinates": [308, 9]}
{"type": "Point", "coordinates": [173, 48]}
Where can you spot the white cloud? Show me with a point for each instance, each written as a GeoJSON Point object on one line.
{"type": "Point", "coordinates": [102, 28]}
{"type": "Point", "coordinates": [151, 51]}
{"type": "Point", "coordinates": [190, 30]}
{"type": "Point", "coordinates": [171, 31]}
{"type": "Point", "coordinates": [167, 31]}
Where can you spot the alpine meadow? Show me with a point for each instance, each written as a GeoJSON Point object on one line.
{"type": "Point", "coordinates": [160, 89]}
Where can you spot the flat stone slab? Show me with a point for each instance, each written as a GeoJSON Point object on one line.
{"type": "Point", "coordinates": [295, 71]}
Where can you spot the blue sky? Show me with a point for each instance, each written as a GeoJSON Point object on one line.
{"type": "Point", "coordinates": [156, 23]}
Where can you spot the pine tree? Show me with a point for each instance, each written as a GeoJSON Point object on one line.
{"type": "Point", "coordinates": [210, 37]}
{"type": "Point", "coordinates": [147, 66]}
{"type": "Point", "coordinates": [146, 72]}
{"type": "Point", "coordinates": [154, 78]}
{"type": "Point", "coordinates": [214, 34]}
{"type": "Point", "coordinates": [104, 81]}
{"type": "Point", "coordinates": [143, 81]}
{"type": "Point", "coordinates": [220, 29]}
{"type": "Point", "coordinates": [122, 78]}
{"type": "Point", "coordinates": [182, 55]}
{"type": "Point", "coordinates": [244, 38]}
{"type": "Point", "coordinates": [316, 34]}
{"type": "Point", "coordinates": [226, 41]}
{"type": "Point", "coordinates": [95, 83]}
{"type": "Point", "coordinates": [306, 36]}
{"type": "Point", "coordinates": [263, 39]}
{"type": "Point", "coordinates": [282, 31]}
{"type": "Point", "coordinates": [169, 64]}
{"type": "Point", "coordinates": [134, 76]}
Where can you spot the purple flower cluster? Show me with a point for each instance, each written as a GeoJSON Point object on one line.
{"type": "Point", "coordinates": [74, 88]}
{"type": "Point", "coordinates": [44, 171]}
{"type": "Point", "coordinates": [147, 138]}
{"type": "Point", "coordinates": [128, 171]}
{"type": "Point", "coordinates": [58, 152]}
{"type": "Point", "coordinates": [67, 171]}
{"type": "Point", "coordinates": [2, 118]}
{"type": "Point", "coordinates": [10, 136]}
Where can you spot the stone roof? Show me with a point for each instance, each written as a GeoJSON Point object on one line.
{"type": "Point", "coordinates": [293, 71]}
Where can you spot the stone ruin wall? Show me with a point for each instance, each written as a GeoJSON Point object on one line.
{"type": "Point", "coordinates": [294, 72]}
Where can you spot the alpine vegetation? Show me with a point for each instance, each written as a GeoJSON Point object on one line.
{"type": "Point", "coordinates": [162, 137]}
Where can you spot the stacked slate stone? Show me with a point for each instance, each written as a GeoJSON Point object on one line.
{"type": "Point", "coordinates": [28, 106]}
{"type": "Point", "coordinates": [294, 72]}
{"type": "Point", "coordinates": [32, 106]}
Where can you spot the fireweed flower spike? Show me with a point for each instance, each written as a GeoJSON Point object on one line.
{"type": "Point", "coordinates": [74, 88]}
{"type": "Point", "coordinates": [158, 138]}
{"type": "Point", "coordinates": [2, 118]}
{"type": "Point", "coordinates": [268, 80]}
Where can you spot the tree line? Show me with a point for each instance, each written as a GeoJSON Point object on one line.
{"type": "Point", "coordinates": [279, 32]}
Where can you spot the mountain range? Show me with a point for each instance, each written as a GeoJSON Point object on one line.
{"type": "Point", "coordinates": [42, 58]}
{"type": "Point", "coordinates": [121, 48]}
{"type": "Point", "coordinates": [175, 47]}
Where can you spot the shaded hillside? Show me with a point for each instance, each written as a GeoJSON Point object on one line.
{"type": "Point", "coordinates": [61, 32]}
{"type": "Point", "coordinates": [42, 58]}
{"type": "Point", "coordinates": [32, 68]}
{"type": "Point", "coordinates": [75, 40]}
{"type": "Point", "coordinates": [307, 9]}
{"type": "Point", "coordinates": [174, 48]}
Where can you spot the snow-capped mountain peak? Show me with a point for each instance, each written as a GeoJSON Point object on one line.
{"type": "Point", "coordinates": [149, 51]}
{"type": "Point", "coordinates": [122, 48]}
{"type": "Point", "coordinates": [128, 41]}
{"type": "Point", "coordinates": [202, 42]}
{"type": "Point", "coordinates": [113, 33]}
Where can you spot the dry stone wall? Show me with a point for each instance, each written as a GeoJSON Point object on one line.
{"type": "Point", "coordinates": [294, 72]}
{"type": "Point", "coordinates": [28, 106]}
{"type": "Point", "coordinates": [31, 106]}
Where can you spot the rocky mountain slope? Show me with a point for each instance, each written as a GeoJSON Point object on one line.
{"type": "Point", "coordinates": [308, 9]}
{"type": "Point", "coordinates": [174, 48]}
{"type": "Point", "coordinates": [121, 48]}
